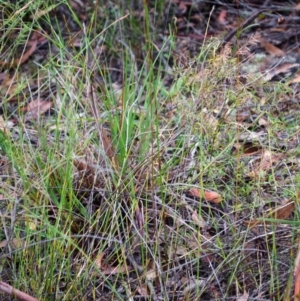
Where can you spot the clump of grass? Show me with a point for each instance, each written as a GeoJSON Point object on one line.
{"type": "Point", "coordinates": [102, 182]}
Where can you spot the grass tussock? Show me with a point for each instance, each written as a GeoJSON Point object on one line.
{"type": "Point", "coordinates": [104, 179]}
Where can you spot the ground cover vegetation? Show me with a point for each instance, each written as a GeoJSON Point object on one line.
{"type": "Point", "coordinates": [149, 150]}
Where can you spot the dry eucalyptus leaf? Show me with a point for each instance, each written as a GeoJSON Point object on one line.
{"type": "Point", "coordinates": [209, 196]}
{"type": "Point", "coordinates": [283, 212]}
{"type": "Point", "coordinates": [271, 49]}
{"type": "Point", "coordinates": [283, 68]}
{"type": "Point", "coordinates": [36, 108]}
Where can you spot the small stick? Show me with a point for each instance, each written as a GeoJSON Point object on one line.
{"type": "Point", "coordinates": [231, 33]}
{"type": "Point", "coordinates": [4, 287]}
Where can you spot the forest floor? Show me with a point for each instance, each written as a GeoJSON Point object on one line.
{"type": "Point", "coordinates": [149, 150]}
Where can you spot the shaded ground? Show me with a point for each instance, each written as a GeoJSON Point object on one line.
{"type": "Point", "coordinates": [230, 120]}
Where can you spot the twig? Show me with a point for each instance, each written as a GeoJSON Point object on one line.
{"type": "Point", "coordinates": [230, 34]}
{"type": "Point", "coordinates": [4, 287]}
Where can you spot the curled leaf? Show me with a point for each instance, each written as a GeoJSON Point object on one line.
{"type": "Point", "coordinates": [210, 196]}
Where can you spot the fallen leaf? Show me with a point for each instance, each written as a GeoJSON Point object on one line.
{"type": "Point", "coordinates": [222, 16]}
{"type": "Point", "coordinates": [296, 79]}
{"type": "Point", "coordinates": [197, 221]}
{"type": "Point", "coordinates": [283, 68]}
{"type": "Point", "coordinates": [212, 196]}
{"type": "Point", "coordinates": [107, 143]}
{"type": "Point", "coordinates": [108, 270]}
{"type": "Point", "coordinates": [195, 192]}
{"type": "Point", "coordinates": [262, 121]}
{"type": "Point", "coordinates": [243, 297]}
{"type": "Point", "coordinates": [209, 196]}
{"type": "Point", "coordinates": [151, 274]}
{"type": "Point", "coordinates": [263, 164]}
{"type": "Point", "coordinates": [37, 107]}
{"type": "Point", "coordinates": [143, 291]}
{"type": "Point", "coordinates": [22, 59]}
{"type": "Point", "coordinates": [246, 149]}
{"type": "Point", "coordinates": [271, 49]}
{"type": "Point", "coordinates": [99, 260]}
{"type": "Point", "coordinates": [283, 212]}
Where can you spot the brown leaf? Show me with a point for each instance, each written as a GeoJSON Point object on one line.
{"type": "Point", "coordinates": [143, 291]}
{"type": "Point", "coordinates": [262, 121]}
{"type": "Point", "coordinates": [283, 212]}
{"type": "Point", "coordinates": [246, 149]}
{"type": "Point", "coordinates": [222, 16]}
{"type": "Point", "coordinates": [271, 49]}
{"type": "Point", "coordinates": [243, 297]}
{"type": "Point", "coordinates": [87, 174]}
{"type": "Point", "coordinates": [209, 196]}
{"type": "Point", "coordinates": [195, 192]}
{"type": "Point", "coordinates": [198, 221]}
{"type": "Point", "coordinates": [99, 260]}
{"type": "Point", "coordinates": [212, 197]}
{"type": "Point", "coordinates": [107, 143]}
{"type": "Point", "coordinates": [22, 59]}
{"type": "Point", "coordinates": [283, 68]}
{"type": "Point", "coordinates": [108, 270]}
{"type": "Point", "coordinates": [264, 163]}
{"type": "Point", "coordinates": [37, 107]}
{"type": "Point", "coordinates": [296, 79]}
{"type": "Point", "coordinates": [151, 274]}
{"type": "Point", "coordinates": [280, 213]}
